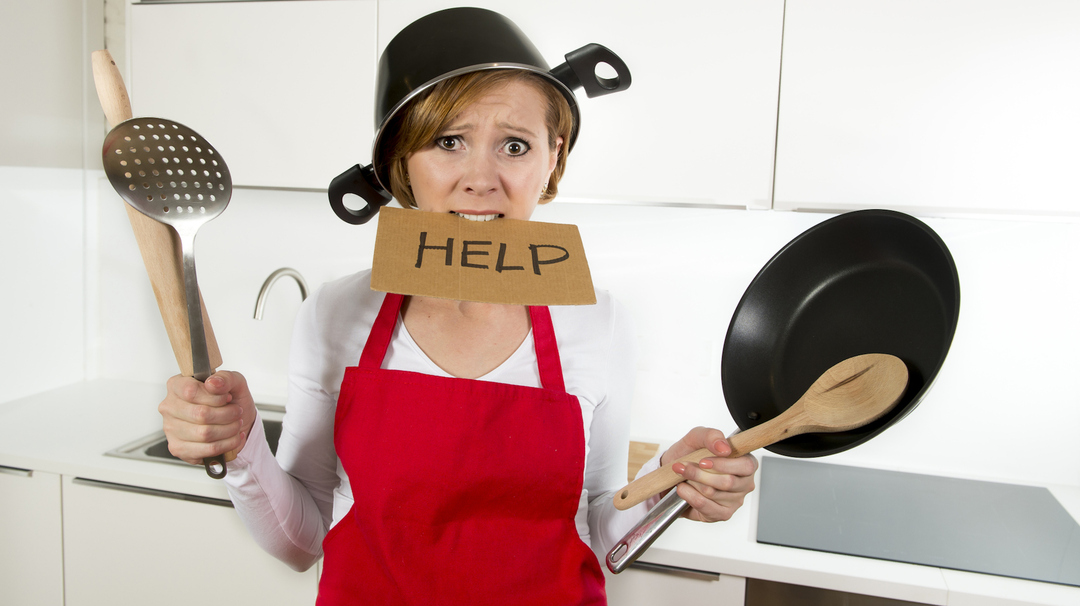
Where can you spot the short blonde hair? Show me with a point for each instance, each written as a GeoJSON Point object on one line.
{"type": "Point", "coordinates": [420, 123]}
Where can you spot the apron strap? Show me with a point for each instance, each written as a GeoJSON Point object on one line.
{"type": "Point", "coordinates": [547, 350]}
{"type": "Point", "coordinates": [381, 332]}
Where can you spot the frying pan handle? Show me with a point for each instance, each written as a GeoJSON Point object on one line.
{"type": "Point", "coordinates": [579, 71]}
{"type": "Point", "coordinates": [666, 511]}
{"type": "Point", "coordinates": [631, 546]}
{"type": "Point", "coordinates": [360, 181]}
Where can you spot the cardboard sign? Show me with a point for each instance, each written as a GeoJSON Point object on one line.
{"type": "Point", "coordinates": [501, 261]}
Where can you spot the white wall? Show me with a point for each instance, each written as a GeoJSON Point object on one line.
{"type": "Point", "coordinates": [1003, 407]}
{"type": "Point", "coordinates": [43, 206]}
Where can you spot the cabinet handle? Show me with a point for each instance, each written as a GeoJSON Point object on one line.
{"type": "Point", "coordinates": [688, 573]}
{"type": "Point", "coordinates": [153, 492]}
{"type": "Point", "coordinates": [16, 471]}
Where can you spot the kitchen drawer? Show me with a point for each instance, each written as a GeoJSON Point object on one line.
{"type": "Point", "coordinates": [31, 545]}
{"type": "Point", "coordinates": [648, 584]}
{"type": "Point", "coordinates": [129, 545]}
{"type": "Point", "coordinates": [770, 593]}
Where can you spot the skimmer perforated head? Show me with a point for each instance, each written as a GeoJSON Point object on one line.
{"type": "Point", "coordinates": [166, 170]}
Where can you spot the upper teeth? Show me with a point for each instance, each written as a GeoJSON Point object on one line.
{"type": "Point", "coordinates": [478, 217]}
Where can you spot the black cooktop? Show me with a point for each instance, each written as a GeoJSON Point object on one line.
{"type": "Point", "coordinates": [976, 526]}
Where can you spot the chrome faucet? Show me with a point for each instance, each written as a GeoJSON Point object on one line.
{"type": "Point", "coordinates": [284, 271]}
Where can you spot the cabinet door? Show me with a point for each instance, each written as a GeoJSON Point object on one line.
{"type": "Point", "coordinates": [282, 89]}
{"type": "Point", "coordinates": [698, 123]}
{"type": "Point", "coordinates": [934, 106]}
{"type": "Point", "coordinates": [124, 547]}
{"type": "Point", "coordinates": [645, 584]}
{"type": "Point", "coordinates": [31, 545]}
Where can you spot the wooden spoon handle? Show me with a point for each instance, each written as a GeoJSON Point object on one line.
{"type": "Point", "coordinates": [656, 481]}
{"type": "Point", "coordinates": [791, 423]}
{"type": "Point", "coordinates": [741, 443]}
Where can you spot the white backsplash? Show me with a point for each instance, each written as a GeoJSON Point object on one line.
{"type": "Point", "coordinates": [1003, 407]}
{"type": "Point", "coordinates": [78, 305]}
{"type": "Point", "coordinates": [42, 290]}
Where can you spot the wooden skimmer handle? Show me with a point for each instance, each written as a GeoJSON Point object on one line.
{"type": "Point", "coordinates": [158, 243]}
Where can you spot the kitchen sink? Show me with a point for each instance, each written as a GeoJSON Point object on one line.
{"type": "Point", "coordinates": [155, 447]}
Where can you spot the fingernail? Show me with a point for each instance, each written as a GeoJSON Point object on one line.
{"type": "Point", "coordinates": [679, 468]}
{"type": "Point", "coordinates": [215, 382]}
{"type": "Point", "coordinates": [721, 446]}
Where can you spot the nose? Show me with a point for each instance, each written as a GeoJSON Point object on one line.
{"type": "Point", "coordinates": [481, 175]}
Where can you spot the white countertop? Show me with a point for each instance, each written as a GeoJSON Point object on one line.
{"type": "Point", "coordinates": [68, 430]}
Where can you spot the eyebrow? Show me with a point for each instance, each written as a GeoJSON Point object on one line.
{"type": "Point", "coordinates": [503, 125]}
{"type": "Point", "coordinates": [516, 129]}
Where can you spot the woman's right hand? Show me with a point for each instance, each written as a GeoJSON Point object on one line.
{"type": "Point", "coordinates": [206, 419]}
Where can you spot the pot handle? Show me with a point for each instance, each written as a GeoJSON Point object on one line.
{"type": "Point", "coordinates": [579, 71]}
{"type": "Point", "coordinates": [360, 181]}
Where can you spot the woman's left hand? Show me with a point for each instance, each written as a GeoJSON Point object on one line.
{"type": "Point", "coordinates": [716, 486]}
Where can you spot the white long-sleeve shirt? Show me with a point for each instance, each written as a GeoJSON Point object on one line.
{"type": "Point", "coordinates": [289, 502]}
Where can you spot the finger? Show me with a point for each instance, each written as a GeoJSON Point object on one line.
{"type": "Point", "coordinates": [179, 414]}
{"type": "Point", "coordinates": [704, 509]}
{"type": "Point", "coordinates": [727, 491]}
{"type": "Point", "coordinates": [709, 479]}
{"type": "Point", "coordinates": [696, 439]}
{"type": "Point", "coordinates": [191, 391]}
{"type": "Point", "coordinates": [195, 452]}
{"type": "Point", "coordinates": [745, 465]}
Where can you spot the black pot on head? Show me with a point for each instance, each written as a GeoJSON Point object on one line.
{"type": "Point", "coordinates": [450, 43]}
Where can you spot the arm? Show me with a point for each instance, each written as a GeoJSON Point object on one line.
{"type": "Point", "coordinates": [715, 487]}
{"type": "Point", "coordinates": [286, 503]}
{"type": "Point", "coordinates": [609, 431]}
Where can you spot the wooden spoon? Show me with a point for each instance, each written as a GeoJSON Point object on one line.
{"type": "Point", "coordinates": [851, 394]}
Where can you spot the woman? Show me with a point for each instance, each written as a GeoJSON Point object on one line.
{"type": "Point", "coordinates": [482, 442]}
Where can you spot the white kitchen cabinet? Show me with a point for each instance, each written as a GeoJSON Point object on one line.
{"type": "Point", "coordinates": [931, 106]}
{"type": "Point", "coordinates": [657, 584]}
{"type": "Point", "coordinates": [697, 125]}
{"type": "Point", "coordinates": [31, 544]}
{"type": "Point", "coordinates": [282, 89]}
{"type": "Point", "coordinates": [127, 546]}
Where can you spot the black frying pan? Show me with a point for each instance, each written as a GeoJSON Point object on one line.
{"type": "Point", "coordinates": [871, 281]}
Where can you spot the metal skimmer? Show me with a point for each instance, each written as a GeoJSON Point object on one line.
{"type": "Point", "coordinates": [171, 174]}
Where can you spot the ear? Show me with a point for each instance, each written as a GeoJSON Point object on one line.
{"type": "Point", "coordinates": [554, 160]}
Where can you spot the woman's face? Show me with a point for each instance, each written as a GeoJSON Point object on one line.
{"type": "Point", "coordinates": [492, 161]}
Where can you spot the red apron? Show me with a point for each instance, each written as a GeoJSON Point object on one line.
{"type": "Point", "coordinates": [465, 491]}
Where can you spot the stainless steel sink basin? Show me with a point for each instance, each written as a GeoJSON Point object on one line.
{"type": "Point", "coordinates": [155, 447]}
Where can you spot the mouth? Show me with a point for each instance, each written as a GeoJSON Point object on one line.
{"type": "Point", "coordinates": [476, 217]}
